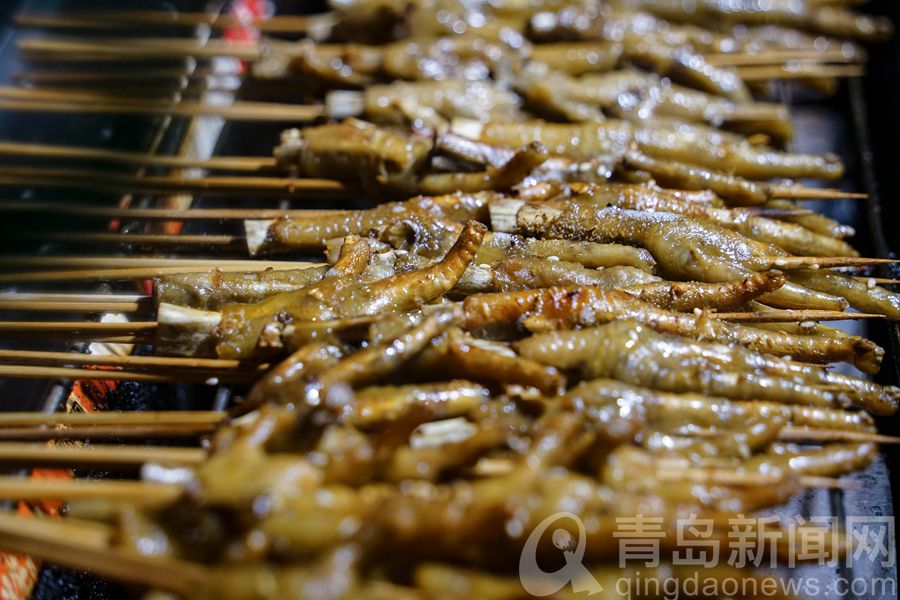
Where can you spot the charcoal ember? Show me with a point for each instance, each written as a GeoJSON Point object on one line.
{"type": "Point", "coordinates": [57, 583]}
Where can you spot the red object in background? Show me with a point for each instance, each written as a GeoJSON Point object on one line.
{"type": "Point", "coordinates": [246, 13]}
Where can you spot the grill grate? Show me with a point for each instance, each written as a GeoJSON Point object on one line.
{"type": "Point", "coordinates": [200, 136]}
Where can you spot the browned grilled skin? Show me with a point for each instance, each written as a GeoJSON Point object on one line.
{"type": "Point", "coordinates": [790, 237]}
{"type": "Point", "coordinates": [289, 234]}
{"type": "Point", "coordinates": [527, 273]}
{"type": "Point", "coordinates": [687, 143]}
{"type": "Point", "coordinates": [684, 248]}
{"type": "Point", "coordinates": [379, 405]}
{"type": "Point", "coordinates": [578, 58]}
{"type": "Point", "coordinates": [860, 295]}
{"type": "Point", "coordinates": [501, 178]}
{"type": "Point", "coordinates": [736, 190]}
{"type": "Point", "coordinates": [280, 383]}
{"type": "Point", "coordinates": [633, 353]}
{"type": "Point", "coordinates": [832, 21]}
{"type": "Point", "coordinates": [214, 289]}
{"type": "Point", "coordinates": [405, 291]}
{"type": "Point", "coordinates": [353, 150]}
{"type": "Point", "coordinates": [353, 259]}
{"type": "Point", "coordinates": [458, 355]}
{"type": "Point", "coordinates": [829, 461]}
{"type": "Point", "coordinates": [666, 55]}
{"type": "Point", "coordinates": [370, 364]}
{"type": "Point", "coordinates": [566, 308]}
{"type": "Point", "coordinates": [685, 296]}
{"type": "Point", "coordinates": [265, 326]}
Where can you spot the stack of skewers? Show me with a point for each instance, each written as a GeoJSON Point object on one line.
{"type": "Point", "coordinates": [581, 282]}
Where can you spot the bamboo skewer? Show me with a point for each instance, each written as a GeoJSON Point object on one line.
{"type": "Point", "coordinates": [258, 163]}
{"type": "Point", "coordinates": [65, 543]}
{"type": "Point", "coordinates": [65, 297]}
{"type": "Point", "coordinates": [798, 71]}
{"type": "Point", "coordinates": [138, 492]}
{"type": "Point", "coordinates": [221, 163]}
{"type": "Point", "coordinates": [793, 192]}
{"type": "Point", "coordinates": [825, 262]}
{"type": "Point", "coordinates": [68, 327]}
{"type": "Point", "coordinates": [777, 57]}
{"type": "Point", "coordinates": [13, 453]}
{"type": "Point", "coordinates": [73, 358]}
{"type": "Point", "coordinates": [123, 77]}
{"type": "Point", "coordinates": [131, 262]}
{"type": "Point", "coordinates": [168, 184]}
{"type": "Point", "coordinates": [140, 48]}
{"type": "Point", "coordinates": [163, 214]}
{"type": "Point", "coordinates": [137, 239]}
{"type": "Point", "coordinates": [751, 65]}
{"type": "Point", "coordinates": [143, 418]}
{"type": "Point", "coordinates": [164, 376]}
{"type": "Point", "coordinates": [286, 186]}
{"type": "Point", "coordinates": [97, 433]}
{"type": "Point", "coordinates": [238, 111]}
{"type": "Point", "coordinates": [116, 274]}
{"type": "Point", "coordinates": [878, 280]}
{"type": "Point", "coordinates": [509, 216]}
{"type": "Point", "coordinates": [792, 316]}
{"type": "Point", "coordinates": [89, 306]}
{"type": "Point", "coordinates": [249, 214]}
{"type": "Point", "coordinates": [806, 434]}
{"type": "Point", "coordinates": [115, 19]}
{"type": "Point", "coordinates": [41, 426]}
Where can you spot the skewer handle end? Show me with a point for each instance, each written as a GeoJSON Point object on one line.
{"type": "Point", "coordinates": [256, 232]}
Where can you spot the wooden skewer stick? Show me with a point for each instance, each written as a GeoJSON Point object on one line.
{"type": "Point", "coordinates": [162, 417]}
{"type": "Point", "coordinates": [510, 216]}
{"type": "Point", "coordinates": [162, 214]}
{"type": "Point", "coordinates": [799, 71]}
{"type": "Point", "coordinates": [812, 481]}
{"type": "Point", "coordinates": [878, 280]}
{"type": "Point", "coordinates": [165, 375]}
{"type": "Point", "coordinates": [168, 184]}
{"type": "Point", "coordinates": [123, 300]}
{"type": "Point", "coordinates": [803, 434]}
{"type": "Point", "coordinates": [141, 493]}
{"type": "Point", "coordinates": [137, 239]}
{"type": "Point", "coordinates": [238, 111]}
{"type": "Point", "coordinates": [795, 192]}
{"type": "Point", "coordinates": [78, 358]}
{"type": "Point", "coordinates": [131, 262]}
{"type": "Point", "coordinates": [90, 306]}
{"type": "Point", "coordinates": [825, 262]}
{"type": "Point", "coordinates": [66, 327]}
{"type": "Point", "coordinates": [98, 97]}
{"type": "Point", "coordinates": [117, 274]}
{"type": "Point", "coordinates": [114, 19]}
{"type": "Point", "coordinates": [777, 57]}
{"type": "Point", "coordinates": [65, 302]}
{"type": "Point", "coordinates": [138, 49]}
{"type": "Point", "coordinates": [777, 213]}
{"type": "Point", "coordinates": [150, 76]}
{"type": "Point", "coordinates": [97, 433]}
{"type": "Point", "coordinates": [792, 316]}
{"type": "Point", "coordinates": [99, 429]}
{"type": "Point", "coordinates": [65, 543]}
{"type": "Point", "coordinates": [221, 163]}
{"type": "Point", "coordinates": [30, 455]}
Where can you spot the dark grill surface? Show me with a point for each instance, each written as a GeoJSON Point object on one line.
{"type": "Point", "coordinates": [860, 124]}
